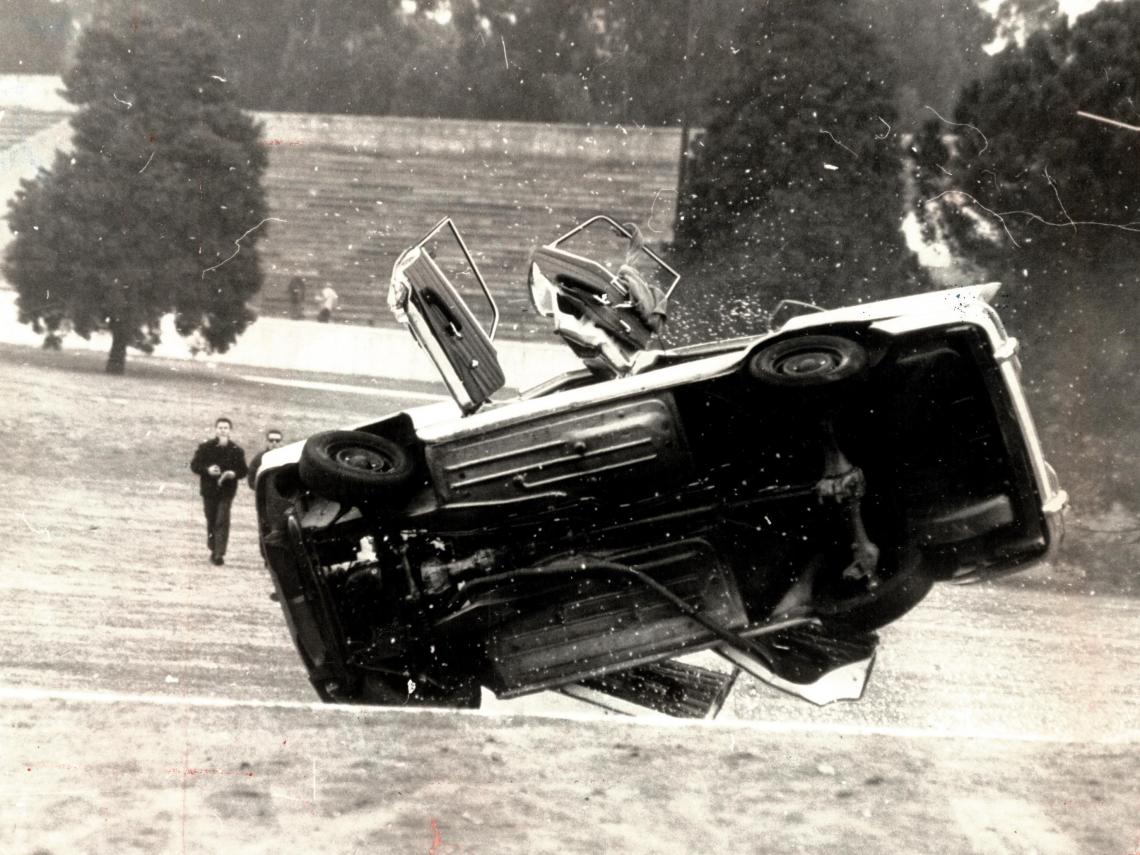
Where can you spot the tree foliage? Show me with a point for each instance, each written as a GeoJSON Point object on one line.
{"type": "Point", "coordinates": [538, 60]}
{"type": "Point", "coordinates": [35, 35]}
{"type": "Point", "coordinates": [1016, 20]}
{"type": "Point", "coordinates": [622, 59]}
{"type": "Point", "coordinates": [936, 49]}
{"type": "Point", "coordinates": [602, 61]}
{"type": "Point", "coordinates": [159, 206]}
{"type": "Point", "coordinates": [1022, 169]}
{"type": "Point", "coordinates": [796, 190]}
{"type": "Point", "coordinates": [1045, 200]}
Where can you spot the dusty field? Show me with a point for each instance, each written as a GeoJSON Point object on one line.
{"type": "Point", "coordinates": [132, 778]}
{"type": "Point", "coordinates": [150, 702]}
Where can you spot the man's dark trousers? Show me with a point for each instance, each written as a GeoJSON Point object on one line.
{"type": "Point", "coordinates": [217, 507]}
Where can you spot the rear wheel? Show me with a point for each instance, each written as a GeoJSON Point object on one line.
{"type": "Point", "coordinates": [810, 360]}
{"type": "Point", "coordinates": [354, 465]}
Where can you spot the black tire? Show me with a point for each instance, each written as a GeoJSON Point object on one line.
{"type": "Point", "coordinates": [357, 466]}
{"type": "Point", "coordinates": [807, 361]}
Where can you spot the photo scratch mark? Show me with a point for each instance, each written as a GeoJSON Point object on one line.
{"type": "Point", "coordinates": [837, 142]}
{"type": "Point", "coordinates": [961, 125]}
{"type": "Point", "coordinates": [1056, 192]}
{"type": "Point", "coordinates": [194, 771]}
{"type": "Point", "coordinates": [121, 101]}
{"type": "Point", "coordinates": [148, 160]}
{"type": "Point", "coordinates": [506, 63]}
{"type": "Point", "coordinates": [1108, 121]}
{"type": "Point", "coordinates": [1000, 217]}
{"type": "Point", "coordinates": [654, 214]}
{"type": "Point", "coordinates": [237, 243]}
{"type": "Point", "coordinates": [885, 133]}
{"type": "Point", "coordinates": [42, 532]}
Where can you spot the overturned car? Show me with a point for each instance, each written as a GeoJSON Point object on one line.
{"type": "Point", "coordinates": [772, 499]}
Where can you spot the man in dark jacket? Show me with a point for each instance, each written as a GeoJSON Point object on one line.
{"type": "Point", "coordinates": [273, 439]}
{"type": "Point", "coordinates": [218, 463]}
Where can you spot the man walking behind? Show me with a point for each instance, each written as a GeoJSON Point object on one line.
{"type": "Point", "coordinates": [273, 439]}
{"type": "Point", "coordinates": [218, 463]}
{"type": "Point", "coordinates": [328, 299]}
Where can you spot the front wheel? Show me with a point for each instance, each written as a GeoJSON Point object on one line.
{"type": "Point", "coordinates": [809, 360]}
{"type": "Point", "coordinates": [354, 465]}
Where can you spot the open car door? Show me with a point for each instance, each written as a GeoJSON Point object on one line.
{"type": "Point", "coordinates": [607, 298]}
{"type": "Point", "coordinates": [444, 325]}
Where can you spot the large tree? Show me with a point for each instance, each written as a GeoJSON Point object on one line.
{"type": "Point", "coordinates": [1036, 180]}
{"type": "Point", "coordinates": [1032, 160]}
{"type": "Point", "coordinates": [795, 190]}
{"type": "Point", "coordinates": [158, 207]}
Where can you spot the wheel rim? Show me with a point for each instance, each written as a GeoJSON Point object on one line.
{"type": "Point", "coordinates": [362, 459]}
{"type": "Point", "coordinates": [808, 363]}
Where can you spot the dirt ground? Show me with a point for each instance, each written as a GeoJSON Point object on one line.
{"type": "Point", "coordinates": [131, 778]}
{"type": "Point", "coordinates": [150, 702]}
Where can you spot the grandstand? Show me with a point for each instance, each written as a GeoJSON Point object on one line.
{"type": "Point", "coordinates": [354, 191]}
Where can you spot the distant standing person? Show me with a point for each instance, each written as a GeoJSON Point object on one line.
{"type": "Point", "coordinates": [218, 463]}
{"type": "Point", "coordinates": [297, 297]}
{"type": "Point", "coordinates": [273, 439]}
{"type": "Point", "coordinates": [328, 299]}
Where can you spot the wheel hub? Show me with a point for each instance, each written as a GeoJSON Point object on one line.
{"type": "Point", "coordinates": [364, 459]}
{"type": "Point", "coordinates": [809, 363]}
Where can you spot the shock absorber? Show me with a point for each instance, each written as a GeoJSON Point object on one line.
{"type": "Point", "coordinates": [844, 484]}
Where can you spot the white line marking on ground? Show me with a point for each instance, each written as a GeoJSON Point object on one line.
{"type": "Point", "coordinates": [344, 387]}
{"type": "Point", "coordinates": [21, 693]}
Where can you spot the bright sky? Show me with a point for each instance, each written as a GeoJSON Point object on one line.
{"type": "Point", "coordinates": [1072, 8]}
